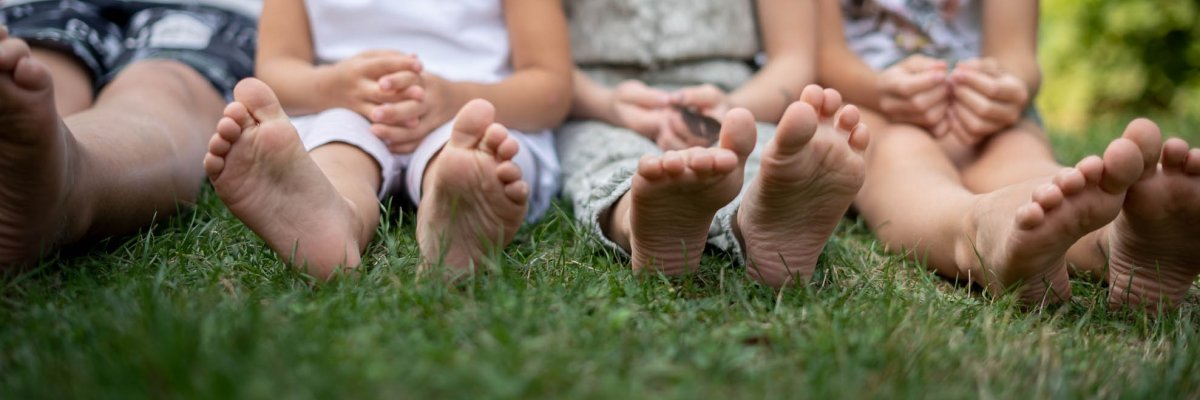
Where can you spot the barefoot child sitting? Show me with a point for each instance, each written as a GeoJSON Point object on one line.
{"type": "Point", "coordinates": [379, 83]}
{"type": "Point", "coordinates": [770, 195]}
{"type": "Point", "coordinates": [962, 176]}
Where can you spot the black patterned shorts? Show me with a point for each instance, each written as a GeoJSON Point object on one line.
{"type": "Point", "coordinates": [108, 35]}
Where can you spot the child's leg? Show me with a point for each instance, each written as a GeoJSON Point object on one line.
{"type": "Point", "coordinates": [110, 169]}
{"type": "Point", "coordinates": [808, 175]}
{"type": "Point", "coordinates": [472, 197]}
{"type": "Point", "coordinates": [665, 217]}
{"type": "Point", "coordinates": [1015, 236]}
{"type": "Point", "coordinates": [261, 171]}
{"type": "Point", "coordinates": [73, 91]}
{"type": "Point", "coordinates": [1015, 155]}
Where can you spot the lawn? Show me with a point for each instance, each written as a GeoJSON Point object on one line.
{"type": "Point", "coordinates": [198, 307]}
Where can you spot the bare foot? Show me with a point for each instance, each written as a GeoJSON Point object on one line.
{"type": "Point", "coordinates": [1018, 244]}
{"type": "Point", "coordinates": [1153, 258]}
{"type": "Point", "coordinates": [259, 168]}
{"type": "Point", "coordinates": [675, 196]}
{"type": "Point", "coordinates": [810, 173]}
{"type": "Point", "coordinates": [474, 199]}
{"type": "Point", "coordinates": [36, 157]}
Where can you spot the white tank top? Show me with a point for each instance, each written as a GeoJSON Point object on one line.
{"type": "Point", "coordinates": [464, 40]}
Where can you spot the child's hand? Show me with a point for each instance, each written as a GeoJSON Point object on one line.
{"type": "Point", "coordinates": [639, 108]}
{"type": "Point", "coordinates": [986, 99]}
{"type": "Point", "coordinates": [708, 100]}
{"type": "Point", "coordinates": [354, 83]}
{"type": "Point", "coordinates": [914, 91]}
{"type": "Point", "coordinates": [397, 123]}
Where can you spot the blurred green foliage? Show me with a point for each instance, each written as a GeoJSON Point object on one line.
{"type": "Point", "coordinates": [1117, 57]}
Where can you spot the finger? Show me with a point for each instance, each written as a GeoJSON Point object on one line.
{"type": "Point", "coordinates": [935, 116]}
{"type": "Point", "coordinates": [395, 134]}
{"type": "Point", "coordinates": [703, 96]}
{"type": "Point", "coordinates": [397, 113]}
{"type": "Point", "coordinates": [955, 127]}
{"type": "Point", "coordinates": [910, 85]}
{"type": "Point", "coordinates": [1000, 113]}
{"type": "Point", "coordinates": [398, 81]}
{"type": "Point", "coordinates": [974, 124]}
{"type": "Point", "coordinates": [668, 139]}
{"type": "Point", "coordinates": [1005, 90]}
{"type": "Point", "coordinates": [918, 63]}
{"type": "Point", "coordinates": [374, 68]}
{"type": "Point", "coordinates": [637, 93]}
{"type": "Point", "coordinates": [926, 100]}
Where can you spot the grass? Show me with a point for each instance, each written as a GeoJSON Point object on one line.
{"type": "Point", "coordinates": [198, 307]}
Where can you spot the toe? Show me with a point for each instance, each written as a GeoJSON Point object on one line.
{"type": "Point", "coordinates": [1030, 216]}
{"type": "Point", "coordinates": [508, 172]}
{"type": "Point", "coordinates": [517, 192]}
{"type": "Point", "coordinates": [1092, 169]}
{"type": "Point", "coordinates": [213, 165]}
{"type": "Point", "coordinates": [259, 100]}
{"type": "Point", "coordinates": [237, 112]}
{"type": "Point", "coordinates": [848, 118]}
{"type": "Point", "coordinates": [1148, 139]}
{"type": "Point", "coordinates": [495, 136]}
{"type": "Point", "coordinates": [229, 130]}
{"type": "Point", "coordinates": [724, 161]}
{"type": "Point", "coordinates": [1174, 154]}
{"type": "Point", "coordinates": [508, 149]}
{"type": "Point", "coordinates": [650, 167]}
{"type": "Point", "coordinates": [674, 163]}
{"type": "Point", "coordinates": [471, 122]}
{"type": "Point", "coordinates": [814, 96]}
{"type": "Point", "coordinates": [860, 137]}
{"type": "Point", "coordinates": [1070, 181]}
{"type": "Point", "coordinates": [832, 103]}
{"type": "Point", "coordinates": [218, 146]}
{"type": "Point", "coordinates": [12, 51]}
{"type": "Point", "coordinates": [1193, 162]}
{"type": "Point", "coordinates": [796, 128]}
{"type": "Point", "coordinates": [31, 74]}
{"type": "Point", "coordinates": [1122, 166]}
{"type": "Point", "coordinates": [700, 161]}
{"type": "Point", "coordinates": [738, 132]}
{"type": "Point", "coordinates": [1048, 196]}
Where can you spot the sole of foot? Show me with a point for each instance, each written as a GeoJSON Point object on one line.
{"type": "Point", "coordinates": [1153, 260]}
{"type": "Point", "coordinates": [36, 166]}
{"type": "Point", "coordinates": [675, 196]}
{"type": "Point", "coordinates": [473, 197]}
{"type": "Point", "coordinates": [810, 174]}
{"type": "Point", "coordinates": [1020, 244]}
{"type": "Point", "coordinates": [260, 169]}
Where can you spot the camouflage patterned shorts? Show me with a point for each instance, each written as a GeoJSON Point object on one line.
{"type": "Point", "coordinates": [108, 35]}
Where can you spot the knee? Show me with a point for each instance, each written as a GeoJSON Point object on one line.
{"type": "Point", "coordinates": [162, 75]}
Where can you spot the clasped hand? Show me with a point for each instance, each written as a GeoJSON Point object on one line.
{"type": "Point", "coordinates": [653, 112]}
{"type": "Point", "coordinates": [389, 88]}
{"type": "Point", "coordinates": [975, 100]}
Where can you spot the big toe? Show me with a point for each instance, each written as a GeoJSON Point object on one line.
{"type": "Point", "coordinates": [796, 128]}
{"type": "Point", "coordinates": [1123, 165]}
{"type": "Point", "coordinates": [472, 122]}
{"type": "Point", "coordinates": [31, 74]}
{"type": "Point", "coordinates": [738, 132]}
{"type": "Point", "coordinates": [1148, 139]}
{"type": "Point", "coordinates": [259, 99]}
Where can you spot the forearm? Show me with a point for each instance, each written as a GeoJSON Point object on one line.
{"type": "Point", "coordinates": [1025, 68]}
{"type": "Point", "coordinates": [590, 100]}
{"type": "Point", "coordinates": [776, 86]}
{"type": "Point", "coordinates": [842, 70]}
{"type": "Point", "coordinates": [297, 83]}
{"type": "Point", "coordinates": [529, 100]}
